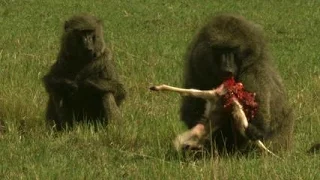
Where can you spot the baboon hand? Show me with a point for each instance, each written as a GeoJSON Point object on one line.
{"type": "Point", "coordinates": [70, 87]}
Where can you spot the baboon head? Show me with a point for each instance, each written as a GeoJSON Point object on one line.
{"type": "Point", "coordinates": [83, 37]}
{"type": "Point", "coordinates": [231, 44]}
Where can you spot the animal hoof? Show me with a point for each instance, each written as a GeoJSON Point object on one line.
{"type": "Point", "coordinates": [153, 88]}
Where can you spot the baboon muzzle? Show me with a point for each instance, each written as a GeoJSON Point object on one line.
{"type": "Point", "coordinates": [228, 65]}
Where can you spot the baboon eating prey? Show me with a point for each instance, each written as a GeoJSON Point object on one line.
{"type": "Point", "coordinates": [231, 46]}
{"type": "Point", "coordinates": [193, 139]}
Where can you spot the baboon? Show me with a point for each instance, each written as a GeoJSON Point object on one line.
{"type": "Point", "coordinates": [83, 84]}
{"type": "Point", "coordinates": [231, 46]}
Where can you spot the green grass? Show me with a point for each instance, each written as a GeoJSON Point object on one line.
{"type": "Point", "coordinates": [149, 39]}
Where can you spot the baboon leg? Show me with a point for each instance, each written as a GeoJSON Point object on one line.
{"type": "Point", "coordinates": [52, 118]}
{"type": "Point", "coordinates": [59, 116]}
{"type": "Point", "coordinates": [66, 118]}
{"type": "Point", "coordinates": [112, 112]}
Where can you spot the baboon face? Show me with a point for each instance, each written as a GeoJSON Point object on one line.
{"type": "Point", "coordinates": [227, 61]}
{"type": "Point", "coordinates": [83, 37]}
{"type": "Point", "coordinates": [234, 44]}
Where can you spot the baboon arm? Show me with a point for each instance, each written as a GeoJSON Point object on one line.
{"type": "Point", "coordinates": [106, 86]}
{"type": "Point", "coordinates": [110, 106]}
{"type": "Point", "coordinates": [103, 86]}
{"type": "Point", "coordinates": [101, 77]}
{"type": "Point", "coordinates": [120, 94]}
{"type": "Point", "coordinates": [260, 125]}
{"type": "Point", "coordinates": [58, 85]}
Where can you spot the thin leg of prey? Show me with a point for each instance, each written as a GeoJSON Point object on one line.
{"type": "Point", "coordinates": [263, 147]}
{"type": "Point", "coordinates": [206, 94]}
{"type": "Point", "coordinates": [242, 124]}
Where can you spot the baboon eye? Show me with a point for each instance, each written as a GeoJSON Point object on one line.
{"type": "Point", "coordinates": [87, 31]}
{"type": "Point", "coordinates": [84, 32]}
{"type": "Point", "coordinates": [225, 49]}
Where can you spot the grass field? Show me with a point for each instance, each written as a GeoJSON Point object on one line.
{"type": "Point", "coordinates": [149, 39]}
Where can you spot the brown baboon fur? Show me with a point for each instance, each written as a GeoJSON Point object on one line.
{"type": "Point", "coordinates": [83, 84]}
{"type": "Point", "coordinates": [229, 45]}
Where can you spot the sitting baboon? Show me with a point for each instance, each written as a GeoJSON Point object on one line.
{"type": "Point", "coordinates": [231, 46]}
{"type": "Point", "coordinates": [83, 84]}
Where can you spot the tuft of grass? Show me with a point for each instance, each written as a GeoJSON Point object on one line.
{"type": "Point", "coordinates": [148, 40]}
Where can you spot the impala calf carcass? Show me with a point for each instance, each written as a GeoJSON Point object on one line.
{"type": "Point", "coordinates": [239, 103]}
